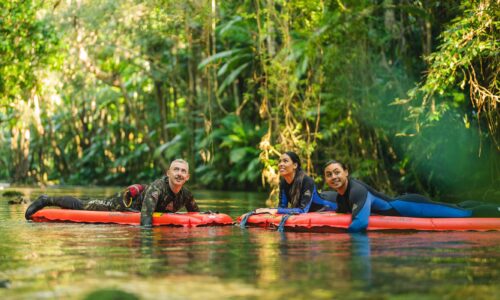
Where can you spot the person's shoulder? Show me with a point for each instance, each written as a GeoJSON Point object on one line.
{"type": "Point", "coordinates": [356, 182]}
{"type": "Point", "coordinates": [328, 195]}
{"type": "Point", "coordinates": [361, 183]}
{"type": "Point", "coordinates": [358, 185]}
{"type": "Point", "coordinates": [308, 184]}
{"type": "Point", "coordinates": [160, 181]}
{"type": "Point", "coordinates": [308, 179]}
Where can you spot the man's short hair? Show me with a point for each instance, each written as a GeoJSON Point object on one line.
{"type": "Point", "coordinates": [179, 160]}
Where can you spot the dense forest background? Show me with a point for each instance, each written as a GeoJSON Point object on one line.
{"type": "Point", "coordinates": [108, 92]}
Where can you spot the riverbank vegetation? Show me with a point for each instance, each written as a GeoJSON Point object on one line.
{"type": "Point", "coordinates": [107, 92]}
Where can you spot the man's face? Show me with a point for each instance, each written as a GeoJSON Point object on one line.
{"type": "Point", "coordinates": [336, 177]}
{"type": "Point", "coordinates": [178, 173]}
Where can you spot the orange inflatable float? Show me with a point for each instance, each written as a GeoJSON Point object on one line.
{"type": "Point", "coordinates": [331, 222]}
{"type": "Point", "coordinates": [190, 219]}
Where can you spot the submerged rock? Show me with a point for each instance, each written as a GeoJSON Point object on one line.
{"type": "Point", "coordinates": [12, 194]}
{"type": "Point", "coordinates": [110, 294]}
{"type": "Point", "coordinates": [18, 200]}
{"type": "Point", "coordinates": [4, 283]}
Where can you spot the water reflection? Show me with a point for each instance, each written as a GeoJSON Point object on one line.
{"type": "Point", "coordinates": [291, 263]}
{"type": "Point", "coordinates": [69, 261]}
{"type": "Point", "coordinates": [360, 259]}
{"type": "Point", "coordinates": [349, 253]}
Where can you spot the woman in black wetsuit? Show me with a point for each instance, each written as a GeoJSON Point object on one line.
{"type": "Point", "coordinates": [297, 190]}
{"type": "Point", "coordinates": [360, 199]}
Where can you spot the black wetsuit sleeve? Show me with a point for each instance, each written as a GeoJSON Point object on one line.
{"type": "Point", "coordinates": [190, 203]}
{"type": "Point", "coordinates": [360, 205]}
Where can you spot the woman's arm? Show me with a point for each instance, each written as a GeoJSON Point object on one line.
{"type": "Point", "coordinates": [305, 198]}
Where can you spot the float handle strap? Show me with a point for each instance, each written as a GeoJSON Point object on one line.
{"type": "Point", "coordinates": [244, 220]}
{"type": "Point", "coordinates": [281, 226]}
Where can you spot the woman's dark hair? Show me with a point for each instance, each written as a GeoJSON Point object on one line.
{"type": "Point", "coordinates": [333, 161]}
{"type": "Point", "coordinates": [295, 158]}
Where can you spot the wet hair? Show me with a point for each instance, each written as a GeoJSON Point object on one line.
{"type": "Point", "coordinates": [333, 161]}
{"type": "Point", "coordinates": [294, 157]}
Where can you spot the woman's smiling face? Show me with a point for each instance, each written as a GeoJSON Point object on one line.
{"type": "Point", "coordinates": [286, 166]}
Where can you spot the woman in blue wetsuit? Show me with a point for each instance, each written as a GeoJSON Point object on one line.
{"type": "Point", "coordinates": [298, 192]}
{"type": "Point", "coordinates": [360, 199]}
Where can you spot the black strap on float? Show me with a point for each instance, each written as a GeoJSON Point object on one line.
{"type": "Point", "coordinates": [281, 226]}
{"type": "Point", "coordinates": [244, 220]}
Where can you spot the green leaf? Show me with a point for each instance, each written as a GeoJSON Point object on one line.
{"type": "Point", "coordinates": [159, 150]}
{"type": "Point", "coordinates": [229, 79]}
{"type": "Point", "coordinates": [233, 61]}
{"type": "Point", "coordinates": [237, 155]}
{"type": "Point", "coordinates": [217, 56]}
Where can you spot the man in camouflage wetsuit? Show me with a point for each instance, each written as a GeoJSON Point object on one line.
{"type": "Point", "coordinates": [166, 194]}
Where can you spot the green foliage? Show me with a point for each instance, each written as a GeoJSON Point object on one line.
{"type": "Point", "coordinates": [466, 61]}
{"type": "Point", "coordinates": [27, 44]}
{"type": "Point", "coordinates": [108, 92]}
{"type": "Point", "coordinates": [110, 294]}
{"type": "Point", "coordinates": [236, 140]}
{"type": "Point", "coordinates": [458, 98]}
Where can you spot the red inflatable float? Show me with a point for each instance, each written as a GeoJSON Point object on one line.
{"type": "Point", "coordinates": [191, 219]}
{"type": "Point", "coordinates": [331, 222]}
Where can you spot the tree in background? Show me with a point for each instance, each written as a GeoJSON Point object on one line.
{"type": "Point", "coordinates": [120, 88]}
{"type": "Point", "coordinates": [28, 48]}
{"type": "Point", "coordinates": [457, 100]}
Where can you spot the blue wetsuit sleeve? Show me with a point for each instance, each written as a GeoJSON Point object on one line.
{"type": "Point", "coordinates": [290, 211]}
{"type": "Point", "coordinates": [361, 207]}
{"type": "Point", "coordinates": [306, 194]}
{"type": "Point", "coordinates": [317, 199]}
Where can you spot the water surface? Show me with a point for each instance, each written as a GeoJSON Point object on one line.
{"type": "Point", "coordinates": [71, 261]}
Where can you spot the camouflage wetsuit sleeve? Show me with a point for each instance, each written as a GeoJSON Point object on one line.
{"type": "Point", "coordinates": [189, 202]}
{"type": "Point", "coordinates": [151, 196]}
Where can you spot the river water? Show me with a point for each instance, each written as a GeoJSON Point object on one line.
{"type": "Point", "coordinates": [87, 261]}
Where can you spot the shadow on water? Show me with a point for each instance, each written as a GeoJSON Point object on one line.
{"type": "Point", "coordinates": [75, 261]}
